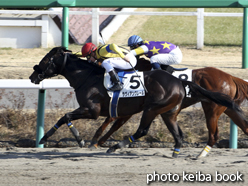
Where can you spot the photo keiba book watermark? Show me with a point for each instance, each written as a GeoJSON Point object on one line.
{"type": "Point", "coordinates": [198, 176]}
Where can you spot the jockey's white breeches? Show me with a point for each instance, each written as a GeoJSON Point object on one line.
{"type": "Point", "coordinates": [119, 63]}
{"type": "Point", "coordinates": [173, 58]}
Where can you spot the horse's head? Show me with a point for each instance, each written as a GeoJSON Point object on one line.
{"type": "Point", "coordinates": [50, 65]}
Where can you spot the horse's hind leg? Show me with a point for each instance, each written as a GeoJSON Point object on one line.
{"type": "Point", "coordinates": [212, 113]}
{"type": "Point", "coordinates": [238, 119]}
{"type": "Point", "coordinates": [171, 123]}
{"type": "Point", "coordinates": [67, 118]}
{"type": "Point", "coordinates": [117, 124]}
{"type": "Point", "coordinates": [145, 123]}
{"type": "Point", "coordinates": [99, 132]}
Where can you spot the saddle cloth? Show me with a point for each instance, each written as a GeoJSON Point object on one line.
{"type": "Point", "coordinates": [132, 87]}
{"type": "Point", "coordinates": [184, 75]}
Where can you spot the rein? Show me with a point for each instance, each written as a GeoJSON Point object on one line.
{"type": "Point", "coordinates": [64, 63]}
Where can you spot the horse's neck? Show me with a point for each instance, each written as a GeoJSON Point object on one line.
{"type": "Point", "coordinates": [79, 76]}
{"type": "Point", "coordinates": [73, 78]}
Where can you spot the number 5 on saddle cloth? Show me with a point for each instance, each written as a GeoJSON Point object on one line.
{"type": "Point", "coordinates": [132, 87]}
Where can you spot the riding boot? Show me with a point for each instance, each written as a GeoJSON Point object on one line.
{"type": "Point", "coordinates": [156, 66]}
{"type": "Point", "coordinates": [115, 79]}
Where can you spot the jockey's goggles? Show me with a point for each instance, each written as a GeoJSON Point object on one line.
{"type": "Point", "coordinates": [88, 56]}
{"type": "Point", "coordinates": [135, 45]}
{"type": "Point", "coordinates": [132, 47]}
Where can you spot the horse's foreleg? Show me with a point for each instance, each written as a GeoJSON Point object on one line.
{"type": "Point", "coordinates": [67, 118]}
{"type": "Point", "coordinates": [175, 130]}
{"type": "Point", "coordinates": [75, 133]}
{"type": "Point", "coordinates": [52, 131]}
{"type": "Point", "coordinates": [145, 124]}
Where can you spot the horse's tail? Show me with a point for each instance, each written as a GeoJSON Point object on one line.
{"type": "Point", "coordinates": [217, 97]}
{"type": "Point", "coordinates": [242, 89]}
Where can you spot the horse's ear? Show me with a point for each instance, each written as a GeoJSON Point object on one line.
{"type": "Point", "coordinates": [69, 51]}
{"type": "Point", "coordinates": [65, 50]}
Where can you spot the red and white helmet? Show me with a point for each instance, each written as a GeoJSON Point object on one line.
{"type": "Point", "coordinates": [88, 48]}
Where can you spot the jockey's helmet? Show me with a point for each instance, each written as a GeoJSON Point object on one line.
{"type": "Point", "coordinates": [133, 41]}
{"type": "Point", "coordinates": [88, 48]}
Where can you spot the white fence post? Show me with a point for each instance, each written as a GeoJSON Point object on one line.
{"type": "Point", "coordinates": [44, 31]}
{"type": "Point", "coordinates": [200, 28]}
{"type": "Point", "coordinates": [95, 26]}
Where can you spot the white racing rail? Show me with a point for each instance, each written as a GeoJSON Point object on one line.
{"type": "Point", "coordinates": [26, 84]}
{"type": "Point", "coordinates": [64, 84]}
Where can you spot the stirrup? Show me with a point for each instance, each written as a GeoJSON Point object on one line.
{"type": "Point", "coordinates": [116, 86]}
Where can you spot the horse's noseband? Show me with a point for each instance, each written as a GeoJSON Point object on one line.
{"type": "Point", "coordinates": [37, 69]}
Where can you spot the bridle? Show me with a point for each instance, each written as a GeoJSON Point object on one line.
{"type": "Point", "coordinates": [43, 74]}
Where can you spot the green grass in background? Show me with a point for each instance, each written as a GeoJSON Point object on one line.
{"type": "Point", "coordinates": [176, 29]}
{"type": "Point", "coordinates": [223, 31]}
{"type": "Point", "coordinates": [182, 30]}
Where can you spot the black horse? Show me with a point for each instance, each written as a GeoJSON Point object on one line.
{"type": "Point", "coordinates": [165, 95]}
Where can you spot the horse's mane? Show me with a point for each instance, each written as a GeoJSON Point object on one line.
{"type": "Point", "coordinates": [143, 64]}
{"type": "Point", "coordinates": [82, 64]}
{"type": "Point", "coordinates": [242, 88]}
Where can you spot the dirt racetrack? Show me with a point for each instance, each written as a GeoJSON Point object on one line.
{"type": "Point", "coordinates": [139, 166]}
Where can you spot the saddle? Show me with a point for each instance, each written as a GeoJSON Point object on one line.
{"type": "Point", "coordinates": [132, 87]}
{"type": "Point", "coordinates": [171, 69]}
{"type": "Point", "coordinates": [132, 84]}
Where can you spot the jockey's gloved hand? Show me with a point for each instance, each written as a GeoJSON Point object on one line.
{"type": "Point", "coordinates": [126, 59]}
{"type": "Point", "coordinates": [96, 62]}
{"type": "Point", "coordinates": [99, 62]}
{"type": "Point", "coordinates": [78, 54]}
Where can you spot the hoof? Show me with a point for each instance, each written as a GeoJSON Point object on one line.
{"type": "Point", "coordinates": [81, 143]}
{"type": "Point", "coordinates": [42, 141]}
{"type": "Point", "coordinates": [110, 150]}
{"type": "Point", "coordinates": [93, 146]}
{"type": "Point", "coordinates": [175, 155]}
{"type": "Point", "coordinates": [200, 156]}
